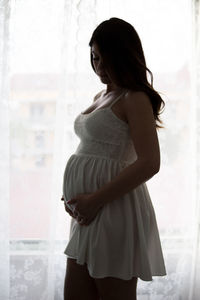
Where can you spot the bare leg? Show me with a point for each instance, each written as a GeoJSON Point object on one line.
{"type": "Point", "coordinates": [78, 283]}
{"type": "Point", "coordinates": [111, 288]}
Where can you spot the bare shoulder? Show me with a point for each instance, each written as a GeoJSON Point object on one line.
{"type": "Point", "coordinates": [97, 95]}
{"type": "Point", "coordinates": [137, 106]}
{"type": "Point", "coordinates": [137, 100]}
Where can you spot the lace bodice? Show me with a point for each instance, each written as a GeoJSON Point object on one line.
{"type": "Point", "coordinates": [102, 133]}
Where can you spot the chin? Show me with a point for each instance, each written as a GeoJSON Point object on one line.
{"type": "Point", "coordinates": [105, 79]}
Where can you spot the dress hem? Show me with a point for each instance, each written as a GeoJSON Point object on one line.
{"type": "Point", "coordinates": [141, 277]}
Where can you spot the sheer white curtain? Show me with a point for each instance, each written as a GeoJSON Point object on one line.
{"type": "Point", "coordinates": [45, 81]}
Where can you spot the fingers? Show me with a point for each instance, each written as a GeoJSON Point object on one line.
{"type": "Point", "coordinates": [68, 210]}
{"type": "Point", "coordinates": [71, 213]}
{"type": "Point", "coordinates": [75, 215]}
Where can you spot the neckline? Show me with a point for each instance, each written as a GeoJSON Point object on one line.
{"type": "Point", "coordinates": [112, 114]}
{"type": "Point", "coordinates": [109, 106]}
{"type": "Point", "coordinates": [94, 110]}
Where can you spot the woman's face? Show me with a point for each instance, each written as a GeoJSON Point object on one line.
{"type": "Point", "coordinates": [98, 64]}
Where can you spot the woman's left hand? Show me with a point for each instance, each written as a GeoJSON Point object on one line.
{"type": "Point", "coordinates": [85, 209]}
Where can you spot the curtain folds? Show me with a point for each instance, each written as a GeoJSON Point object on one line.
{"type": "Point", "coordinates": [45, 81]}
{"type": "Point", "coordinates": [5, 8]}
{"type": "Point", "coordinates": [195, 278]}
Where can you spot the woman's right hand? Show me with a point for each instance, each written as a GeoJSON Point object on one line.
{"type": "Point", "coordinates": [70, 212]}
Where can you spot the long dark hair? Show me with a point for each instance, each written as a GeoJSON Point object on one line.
{"type": "Point", "coordinates": [123, 58]}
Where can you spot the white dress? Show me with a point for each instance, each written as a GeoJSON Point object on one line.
{"type": "Point", "coordinates": [123, 239]}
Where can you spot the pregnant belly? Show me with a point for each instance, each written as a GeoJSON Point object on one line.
{"type": "Point", "coordinates": [80, 177]}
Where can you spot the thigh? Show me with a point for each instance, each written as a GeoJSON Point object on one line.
{"type": "Point", "coordinates": [78, 283]}
{"type": "Point", "coordinates": [111, 288]}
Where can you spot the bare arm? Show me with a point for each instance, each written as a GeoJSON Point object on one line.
{"type": "Point", "coordinates": [139, 114]}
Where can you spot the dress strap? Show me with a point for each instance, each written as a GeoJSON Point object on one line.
{"type": "Point", "coordinates": [117, 98]}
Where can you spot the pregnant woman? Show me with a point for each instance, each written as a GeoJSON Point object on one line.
{"type": "Point", "coordinates": [114, 238]}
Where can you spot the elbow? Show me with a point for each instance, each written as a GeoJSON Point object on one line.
{"type": "Point", "coordinates": [152, 167]}
{"type": "Point", "coordinates": [155, 169]}
{"type": "Point", "coordinates": [156, 166]}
